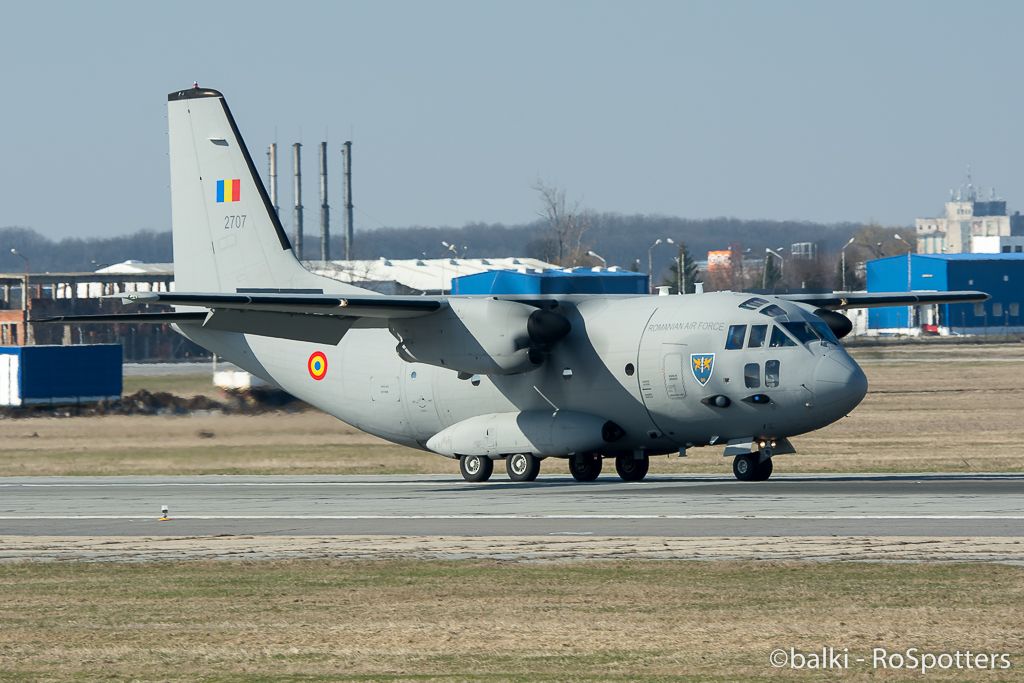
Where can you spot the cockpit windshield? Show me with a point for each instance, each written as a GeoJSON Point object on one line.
{"type": "Point", "coordinates": [802, 331]}
{"type": "Point", "coordinates": [807, 332]}
{"type": "Point", "coordinates": [825, 332]}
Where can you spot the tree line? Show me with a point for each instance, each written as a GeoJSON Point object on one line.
{"type": "Point", "coordinates": [563, 234]}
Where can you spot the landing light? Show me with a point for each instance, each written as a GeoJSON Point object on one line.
{"type": "Point", "coordinates": [717, 401]}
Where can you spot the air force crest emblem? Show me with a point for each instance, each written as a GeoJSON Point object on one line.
{"type": "Point", "coordinates": [702, 365]}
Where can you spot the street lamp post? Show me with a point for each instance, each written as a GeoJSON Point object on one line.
{"type": "Point", "coordinates": [650, 260]}
{"type": "Point", "coordinates": [680, 275]}
{"type": "Point", "coordinates": [910, 309]}
{"type": "Point", "coordinates": [26, 300]}
{"type": "Point", "coordinates": [594, 254]}
{"type": "Point", "coordinates": [782, 266]}
{"type": "Point", "coordinates": [842, 253]}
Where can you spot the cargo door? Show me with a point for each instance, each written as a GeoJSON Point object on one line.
{"type": "Point", "coordinates": [420, 409]}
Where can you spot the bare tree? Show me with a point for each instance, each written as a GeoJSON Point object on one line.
{"type": "Point", "coordinates": [567, 224]}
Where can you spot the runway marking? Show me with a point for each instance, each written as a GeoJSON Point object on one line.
{"type": "Point", "coordinates": [232, 483]}
{"type": "Point", "coordinates": [521, 517]}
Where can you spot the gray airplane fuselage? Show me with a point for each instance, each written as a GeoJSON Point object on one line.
{"type": "Point", "coordinates": [656, 366]}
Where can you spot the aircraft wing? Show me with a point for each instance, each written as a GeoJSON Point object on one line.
{"type": "Point", "coordinates": [285, 302]}
{"type": "Point", "coordinates": [312, 317]}
{"type": "Point", "coordinates": [163, 317]}
{"type": "Point", "coordinates": [842, 300]}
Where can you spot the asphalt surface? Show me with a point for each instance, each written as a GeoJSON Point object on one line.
{"type": "Point", "coordinates": [935, 505]}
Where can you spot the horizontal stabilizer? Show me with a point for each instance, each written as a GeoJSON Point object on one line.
{"type": "Point", "coordinates": [323, 304]}
{"type": "Point", "coordinates": [837, 300]}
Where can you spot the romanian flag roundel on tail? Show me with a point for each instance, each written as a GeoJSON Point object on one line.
{"type": "Point", "coordinates": [229, 190]}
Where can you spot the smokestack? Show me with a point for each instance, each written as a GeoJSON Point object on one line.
{"type": "Point", "coordinates": [346, 153]}
{"type": "Point", "coordinates": [325, 210]}
{"type": "Point", "coordinates": [272, 160]}
{"type": "Point", "coordinates": [297, 193]}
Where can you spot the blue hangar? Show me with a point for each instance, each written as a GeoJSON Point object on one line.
{"type": "Point", "coordinates": [999, 275]}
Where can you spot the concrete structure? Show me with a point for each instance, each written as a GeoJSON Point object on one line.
{"type": "Point", "coordinates": [996, 244]}
{"type": "Point", "coordinates": [999, 275]}
{"type": "Point", "coordinates": [966, 219]}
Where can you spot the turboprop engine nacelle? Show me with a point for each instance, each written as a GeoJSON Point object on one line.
{"type": "Point", "coordinates": [538, 432]}
{"type": "Point", "coordinates": [480, 336]}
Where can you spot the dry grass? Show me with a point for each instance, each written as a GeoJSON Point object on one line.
{"type": "Point", "coordinates": [929, 409]}
{"type": "Point", "coordinates": [404, 620]}
{"type": "Point", "coordinates": [197, 384]}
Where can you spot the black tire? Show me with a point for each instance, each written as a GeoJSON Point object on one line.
{"type": "Point", "coordinates": [522, 467]}
{"type": "Point", "coordinates": [476, 468]}
{"type": "Point", "coordinates": [585, 467]}
{"type": "Point", "coordinates": [763, 470]}
{"type": "Point", "coordinates": [631, 468]}
{"type": "Point", "coordinates": [744, 467]}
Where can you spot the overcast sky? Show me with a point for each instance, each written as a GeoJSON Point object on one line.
{"type": "Point", "coordinates": [822, 111]}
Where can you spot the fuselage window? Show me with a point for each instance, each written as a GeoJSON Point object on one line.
{"type": "Point", "coordinates": [802, 331]}
{"type": "Point", "coordinates": [753, 304]}
{"type": "Point", "coordinates": [773, 311]}
{"type": "Point", "coordinates": [752, 375]}
{"type": "Point", "coordinates": [771, 373]}
{"type": "Point", "coordinates": [779, 338]}
{"type": "Point", "coordinates": [757, 335]}
{"type": "Point", "coordinates": [736, 335]}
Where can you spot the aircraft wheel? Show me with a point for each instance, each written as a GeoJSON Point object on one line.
{"type": "Point", "coordinates": [631, 468]}
{"type": "Point", "coordinates": [476, 467]}
{"type": "Point", "coordinates": [585, 467]}
{"type": "Point", "coordinates": [763, 470]}
{"type": "Point", "coordinates": [522, 467]}
{"type": "Point", "coordinates": [745, 467]}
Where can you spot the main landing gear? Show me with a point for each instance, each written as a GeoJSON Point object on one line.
{"type": "Point", "coordinates": [585, 466]}
{"type": "Point", "coordinates": [749, 467]}
{"type": "Point", "coordinates": [522, 467]}
{"type": "Point", "coordinates": [631, 468]}
{"type": "Point", "coordinates": [476, 468]}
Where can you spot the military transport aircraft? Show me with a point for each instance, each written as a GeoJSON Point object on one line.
{"type": "Point", "coordinates": [485, 378]}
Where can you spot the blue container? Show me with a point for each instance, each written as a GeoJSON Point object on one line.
{"type": "Point", "coordinates": [579, 281]}
{"type": "Point", "coordinates": [34, 375]}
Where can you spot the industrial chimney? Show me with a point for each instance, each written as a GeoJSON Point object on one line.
{"type": "Point", "coordinates": [325, 210]}
{"type": "Point", "coordinates": [272, 161]}
{"type": "Point", "coordinates": [346, 153]}
{"type": "Point", "coordinates": [297, 193]}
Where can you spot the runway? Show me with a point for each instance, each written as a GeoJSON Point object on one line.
{"type": "Point", "coordinates": [695, 506]}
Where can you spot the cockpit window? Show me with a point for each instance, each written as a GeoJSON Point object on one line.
{"type": "Point", "coordinates": [753, 304]}
{"type": "Point", "coordinates": [779, 338]}
{"type": "Point", "coordinates": [757, 335]}
{"type": "Point", "coordinates": [773, 311]}
{"type": "Point", "coordinates": [736, 335]}
{"type": "Point", "coordinates": [825, 332]}
{"type": "Point", "coordinates": [802, 331]}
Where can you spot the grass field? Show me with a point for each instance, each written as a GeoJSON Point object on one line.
{"type": "Point", "coordinates": [943, 408]}
{"type": "Point", "coordinates": [416, 620]}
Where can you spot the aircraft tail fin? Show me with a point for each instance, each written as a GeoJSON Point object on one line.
{"type": "Point", "coordinates": [226, 234]}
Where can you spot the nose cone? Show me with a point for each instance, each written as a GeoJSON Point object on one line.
{"type": "Point", "coordinates": [839, 385]}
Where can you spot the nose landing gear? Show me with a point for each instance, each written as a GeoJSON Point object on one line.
{"type": "Point", "coordinates": [749, 467]}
